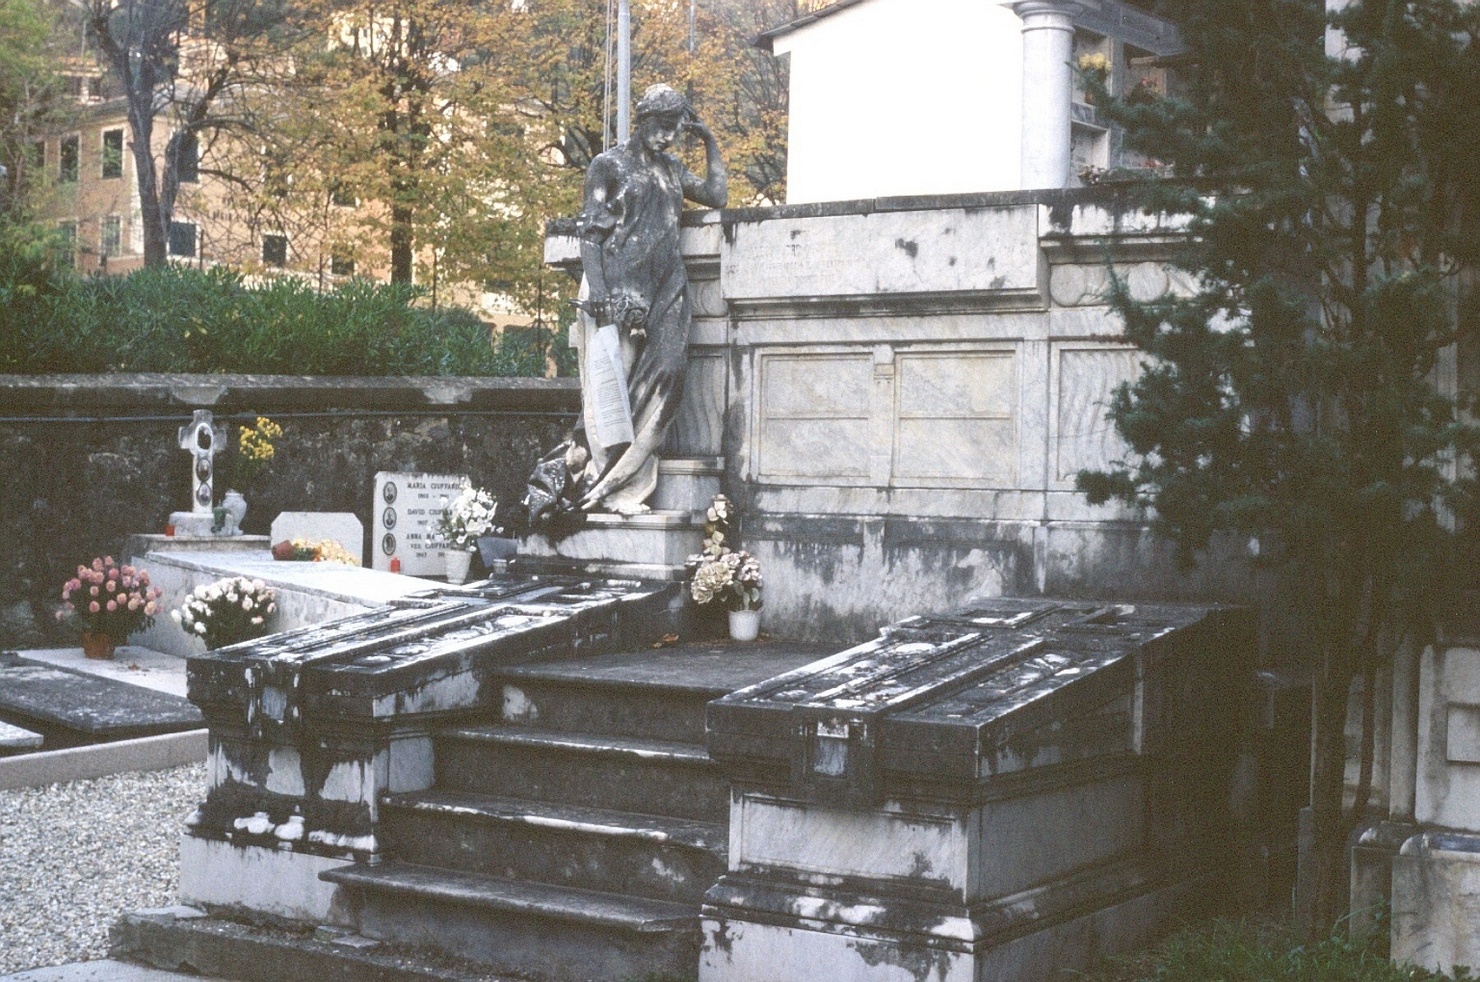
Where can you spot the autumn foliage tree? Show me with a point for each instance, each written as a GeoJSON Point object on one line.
{"type": "Point", "coordinates": [1332, 207]}
{"type": "Point", "coordinates": [447, 134]}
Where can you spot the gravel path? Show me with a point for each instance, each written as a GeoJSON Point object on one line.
{"type": "Point", "coordinates": [75, 856]}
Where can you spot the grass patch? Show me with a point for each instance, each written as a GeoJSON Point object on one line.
{"type": "Point", "coordinates": [1234, 951]}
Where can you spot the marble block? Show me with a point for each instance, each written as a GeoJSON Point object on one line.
{"type": "Point", "coordinates": [656, 539]}
{"type": "Point", "coordinates": [1435, 920]}
{"type": "Point", "coordinates": [688, 484]}
{"type": "Point", "coordinates": [316, 526]}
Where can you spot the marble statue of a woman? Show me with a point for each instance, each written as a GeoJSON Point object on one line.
{"type": "Point", "coordinates": [634, 314]}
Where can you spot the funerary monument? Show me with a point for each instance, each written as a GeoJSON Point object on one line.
{"type": "Point", "coordinates": [930, 781]}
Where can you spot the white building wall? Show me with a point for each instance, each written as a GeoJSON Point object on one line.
{"type": "Point", "coordinates": [922, 110]}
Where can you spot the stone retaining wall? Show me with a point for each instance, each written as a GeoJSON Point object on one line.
{"type": "Point", "coordinates": [90, 459]}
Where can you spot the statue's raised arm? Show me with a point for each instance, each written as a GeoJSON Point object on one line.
{"type": "Point", "coordinates": [635, 314]}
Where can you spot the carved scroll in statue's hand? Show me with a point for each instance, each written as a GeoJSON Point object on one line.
{"type": "Point", "coordinates": [612, 416]}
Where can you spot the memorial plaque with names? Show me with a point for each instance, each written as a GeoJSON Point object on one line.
{"type": "Point", "coordinates": [406, 509]}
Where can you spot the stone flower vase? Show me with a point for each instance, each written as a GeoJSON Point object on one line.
{"type": "Point", "coordinates": [745, 625]}
{"type": "Point", "coordinates": [459, 561]}
{"type": "Point", "coordinates": [98, 646]}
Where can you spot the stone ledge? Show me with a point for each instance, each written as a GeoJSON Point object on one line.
{"type": "Point", "coordinates": [81, 395]}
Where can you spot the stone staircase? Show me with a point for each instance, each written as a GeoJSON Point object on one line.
{"type": "Point", "coordinates": [574, 837]}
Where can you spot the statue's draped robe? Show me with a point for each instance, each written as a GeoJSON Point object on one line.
{"type": "Point", "coordinates": [632, 210]}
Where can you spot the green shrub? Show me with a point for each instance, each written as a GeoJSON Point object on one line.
{"type": "Point", "coordinates": [178, 319]}
{"type": "Point", "coordinates": [1230, 951]}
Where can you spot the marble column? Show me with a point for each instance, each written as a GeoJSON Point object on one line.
{"type": "Point", "coordinates": [1048, 48]}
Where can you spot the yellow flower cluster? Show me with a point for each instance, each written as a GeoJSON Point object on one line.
{"type": "Point", "coordinates": [1094, 62]}
{"type": "Point", "coordinates": [325, 551]}
{"type": "Point", "coordinates": [256, 441]}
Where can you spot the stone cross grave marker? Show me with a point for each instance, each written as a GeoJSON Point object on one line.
{"type": "Point", "coordinates": [202, 439]}
{"type": "Point", "coordinates": [406, 508]}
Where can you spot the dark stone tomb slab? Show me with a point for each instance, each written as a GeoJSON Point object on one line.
{"type": "Point", "coordinates": [14, 740]}
{"type": "Point", "coordinates": [1001, 792]}
{"type": "Point", "coordinates": [72, 708]}
{"type": "Point", "coordinates": [310, 728]}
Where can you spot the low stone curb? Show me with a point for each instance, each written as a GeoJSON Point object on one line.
{"type": "Point", "coordinates": [152, 753]}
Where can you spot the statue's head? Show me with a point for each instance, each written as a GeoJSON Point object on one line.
{"type": "Point", "coordinates": [660, 114]}
{"type": "Point", "coordinates": [661, 100]}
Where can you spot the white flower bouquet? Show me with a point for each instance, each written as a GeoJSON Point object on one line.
{"type": "Point", "coordinates": [226, 612]}
{"type": "Point", "coordinates": [731, 578]}
{"type": "Point", "coordinates": [467, 518]}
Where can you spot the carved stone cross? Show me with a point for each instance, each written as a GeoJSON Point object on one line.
{"type": "Point", "coordinates": [202, 438]}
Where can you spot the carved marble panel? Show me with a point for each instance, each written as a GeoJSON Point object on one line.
{"type": "Point", "coordinates": [698, 429]}
{"type": "Point", "coordinates": [813, 417]}
{"type": "Point", "coordinates": [954, 420]}
{"type": "Point", "coordinates": [1084, 439]}
{"type": "Point", "coordinates": [951, 250]}
{"type": "Point", "coordinates": [1086, 284]}
{"type": "Point", "coordinates": [1462, 736]}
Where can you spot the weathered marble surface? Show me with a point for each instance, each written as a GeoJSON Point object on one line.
{"type": "Point", "coordinates": [657, 539]}
{"type": "Point", "coordinates": [1423, 861]}
{"type": "Point", "coordinates": [309, 728]}
{"type": "Point", "coordinates": [1435, 919]}
{"type": "Point", "coordinates": [903, 390]}
{"type": "Point", "coordinates": [307, 593]}
{"type": "Point", "coordinates": [1005, 791]}
{"type": "Point", "coordinates": [1448, 791]}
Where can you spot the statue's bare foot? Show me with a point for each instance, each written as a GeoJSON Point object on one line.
{"type": "Point", "coordinates": [628, 510]}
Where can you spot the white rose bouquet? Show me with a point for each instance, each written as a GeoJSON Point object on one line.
{"type": "Point", "coordinates": [229, 611]}
{"type": "Point", "coordinates": [467, 518]}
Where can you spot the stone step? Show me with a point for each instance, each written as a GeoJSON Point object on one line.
{"type": "Point", "coordinates": [654, 694]}
{"type": "Point", "coordinates": [566, 699]}
{"type": "Point", "coordinates": [537, 930]}
{"type": "Point", "coordinates": [642, 855]}
{"type": "Point", "coordinates": [227, 949]}
{"type": "Point", "coordinates": [649, 777]}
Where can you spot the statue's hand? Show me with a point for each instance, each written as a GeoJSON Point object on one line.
{"type": "Point", "coordinates": [696, 125]}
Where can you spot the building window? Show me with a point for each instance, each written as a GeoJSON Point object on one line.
{"type": "Point", "coordinates": [341, 265]}
{"type": "Point", "coordinates": [67, 243]}
{"type": "Point", "coordinates": [275, 250]}
{"type": "Point", "coordinates": [110, 239]}
{"type": "Point", "coordinates": [71, 157]}
{"type": "Point", "coordinates": [343, 197]}
{"type": "Point", "coordinates": [182, 239]}
{"type": "Point", "coordinates": [187, 158]}
{"type": "Point", "coordinates": [112, 153]}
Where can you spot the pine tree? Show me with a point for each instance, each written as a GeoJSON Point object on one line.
{"type": "Point", "coordinates": [1332, 210]}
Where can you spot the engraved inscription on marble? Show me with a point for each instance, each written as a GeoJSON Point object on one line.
{"type": "Point", "coordinates": [1087, 378]}
{"type": "Point", "coordinates": [954, 421]}
{"type": "Point", "coordinates": [407, 507]}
